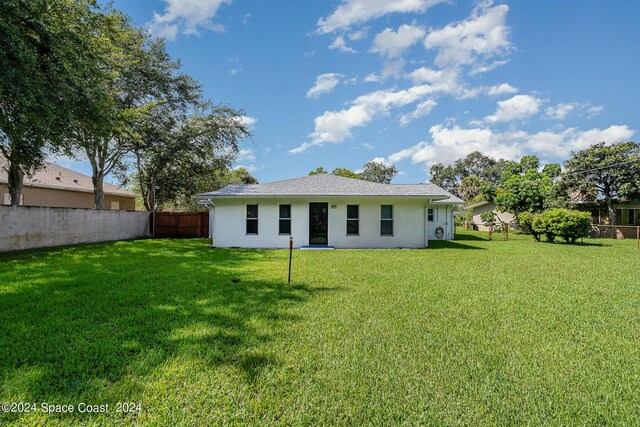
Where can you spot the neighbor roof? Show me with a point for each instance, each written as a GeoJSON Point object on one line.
{"type": "Point", "coordinates": [327, 185]}
{"type": "Point", "coordinates": [477, 205]}
{"type": "Point", "coordinates": [59, 178]}
{"type": "Point", "coordinates": [451, 200]}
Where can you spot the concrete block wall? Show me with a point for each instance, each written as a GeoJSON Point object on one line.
{"type": "Point", "coordinates": [26, 227]}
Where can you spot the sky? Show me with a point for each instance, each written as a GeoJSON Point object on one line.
{"type": "Point", "coordinates": [407, 82]}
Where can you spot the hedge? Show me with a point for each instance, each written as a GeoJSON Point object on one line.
{"type": "Point", "coordinates": [570, 225]}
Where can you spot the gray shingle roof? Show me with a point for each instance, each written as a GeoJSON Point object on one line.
{"type": "Point", "coordinates": [451, 200]}
{"type": "Point", "coordinates": [327, 185]}
{"type": "Point", "coordinates": [60, 178]}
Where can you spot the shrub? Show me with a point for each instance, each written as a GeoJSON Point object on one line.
{"type": "Point", "coordinates": [570, 225]}
{"type": "Point", "coordinates": [525, 221]}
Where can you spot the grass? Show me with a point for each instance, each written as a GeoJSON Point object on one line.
{"type": "Point", "coordinates": [469, 332]}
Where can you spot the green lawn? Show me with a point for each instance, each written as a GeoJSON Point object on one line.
{"type": "Point", "coordinates": [464, 333]}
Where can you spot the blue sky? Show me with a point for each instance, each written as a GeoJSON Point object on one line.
{"type": "Point", "coordinates": [410, 82]}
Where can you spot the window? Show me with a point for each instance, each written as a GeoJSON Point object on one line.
{"type": "Point", "coordinates": [252, 219]}
{"type": "Point", "coordinates": [353, 220]}
{"type": "Point", "coordinates": [284, 219]}
{"type": "Point", "coordinates": [430, 214]}
{"type": "Point", "coordinates": [115, 206]}
{"type": "Point", "coordinates": [386, 220]}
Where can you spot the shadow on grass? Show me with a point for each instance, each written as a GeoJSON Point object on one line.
{"type": "Point", "coordinates": [75, 321]}
{"type": "Point", "coordinates": [451, 244]}
{"type": "Point", "coordinates": [476, 236]}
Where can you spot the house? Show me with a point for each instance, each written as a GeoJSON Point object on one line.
{"type": "Point", "coordinates": [479, 208]}
{"type": "Point", "coordinates": [56, 186]}
{"type": "Point", "coordinates": [330, 211]}
{"type": "Point", "coordinates": [627, 212]}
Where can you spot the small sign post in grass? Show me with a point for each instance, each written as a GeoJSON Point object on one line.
{"type": "Point", "coordinates": [290, 254]}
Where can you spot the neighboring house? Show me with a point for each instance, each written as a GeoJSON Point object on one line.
{"type": "Point", "coordinates": [479, 208]}
{"type": "Point", "coordinates": [332, 211]}
{"type": "Point", "coordinates": [627, 213]}
{"type": "Point", "coordinates": [60, 187]}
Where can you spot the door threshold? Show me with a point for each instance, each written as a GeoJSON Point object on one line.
{"type": "Point", "coordinates": [317, 248]}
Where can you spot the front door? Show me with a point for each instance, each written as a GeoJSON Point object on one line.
{"type": "Point", "coordinates": [318, 220]}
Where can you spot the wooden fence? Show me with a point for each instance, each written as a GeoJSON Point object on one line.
{"type": "Point", "coordinates": [182, 224]}
{"type": "Point", "coordinates": [615, 231]}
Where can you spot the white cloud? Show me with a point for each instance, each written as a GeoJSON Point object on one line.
{"type": "Point", "coordinates": [234, 71]}
{"type": "Point", "coordinates": [389, 69]}
{"type": "Point", "coordinates": [445, 80]}
{"type": "Point", "coordinates": [187, 17]}
{"type": "Point", "coordinates": [246, 154]}
{"type": "Point", "coordinates": [515, 108]}
{"type": "Point", "coordinates": [339, 44]}
{"type": "Point", "coordinates": [501, 89]}
{"type": "Point", "coordinates": [351, 12]}
{"type": "Point", "coordinates": [594, 110]}
{"type": "Point", "coordinates": [324, 83]}
{"type": "Point", "coordinates": [336, 126]}
{"type": "Point", "coordinates": [357, 35]}
{"type": "Point", "coordinates": [423, 109]}
{"type": "Point", "coordinates": [483, 68]}
{"type": "Point", "coordinates": [248, 121]}
{"type": "Point", "coordinates": [560, 111]}
{"type": "Point", "coordinates": [479, 37]}
{"type": "Point", "coordinates": [392, 43]}
{"type": "Point", "coordinates": [449, 144]}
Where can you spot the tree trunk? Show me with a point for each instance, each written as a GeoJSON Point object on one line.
{"type": "Point", "coordinates": [612, 212]}
{"type": "Point", "coordinates": [98, 190]}
{"type": "Point", "coordinates": [15, 181]}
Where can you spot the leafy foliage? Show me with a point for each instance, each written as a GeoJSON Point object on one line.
{"type": "Point", "coordinates": [182, 156]}
{"type": "Point", "coordinates": [347, 173]}
{"type": "Point", "coordinates": [475, 164]}
{"type": "Point", "coordinates": [378, 172]}
{"type": "Point", "coordinates": [372, 171]}
{"type": "Point", "coordinates": [570, 225]}
{"type": "Point", "coordinates": [50, 77]}
{"type": "Point", "coordinates": [524, 193]}
{"type": "Point", "coordinates": [318, 171]}
{"type": "Point", "coordinates": [606, 172]}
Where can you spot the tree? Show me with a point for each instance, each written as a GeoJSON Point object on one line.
{"type": "Point", "coordinates": [606, 172]}
{"type": "Point", "coordinates": [179, 156]}
{"type": "Point", "coordinates": [486, 169]}
{"type": "Point", "coordinates": [320, 170]}
{"type": "Point", "coordinates": [529, 162]}
{"type": "Point", "coordinates": [552, 170]}
{"type": "Point", "coordinates": [523, 192]}
{"type": "Point", "coordinates": [470, 187]}
{"type": "Point", "coordinates": [347, 173]}
{"type": "Point", "coordinates": [50, 76]}
{"type": "Point", "coordinates": [240, 176]}
{"type": "Point", "coordinates": [378, 172]}
{"type": "Point", "coordinates": [144, 79]}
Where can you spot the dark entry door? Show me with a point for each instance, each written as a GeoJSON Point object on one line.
{"type": "Point", "coordinates": [318, 219]}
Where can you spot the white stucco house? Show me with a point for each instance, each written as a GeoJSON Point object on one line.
{"type": "Point", "coordinates": [332, 211]}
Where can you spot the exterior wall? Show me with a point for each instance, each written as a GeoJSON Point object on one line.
{"type": "Point", "coordinates": [504, 216]}
{"type": "Point", "coordinates": [600, 215]}
{"type": "Point", "coordinates": [442, 217]}
{"type": "Point", "coordinates": [49, 197]}
{"type": "Point", "coordinates": [23, 227]}
{"type": "Point", "coordinates": [409, 219]}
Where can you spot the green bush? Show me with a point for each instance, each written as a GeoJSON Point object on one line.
{"type": "Point", "coordinates": [570, 225]}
